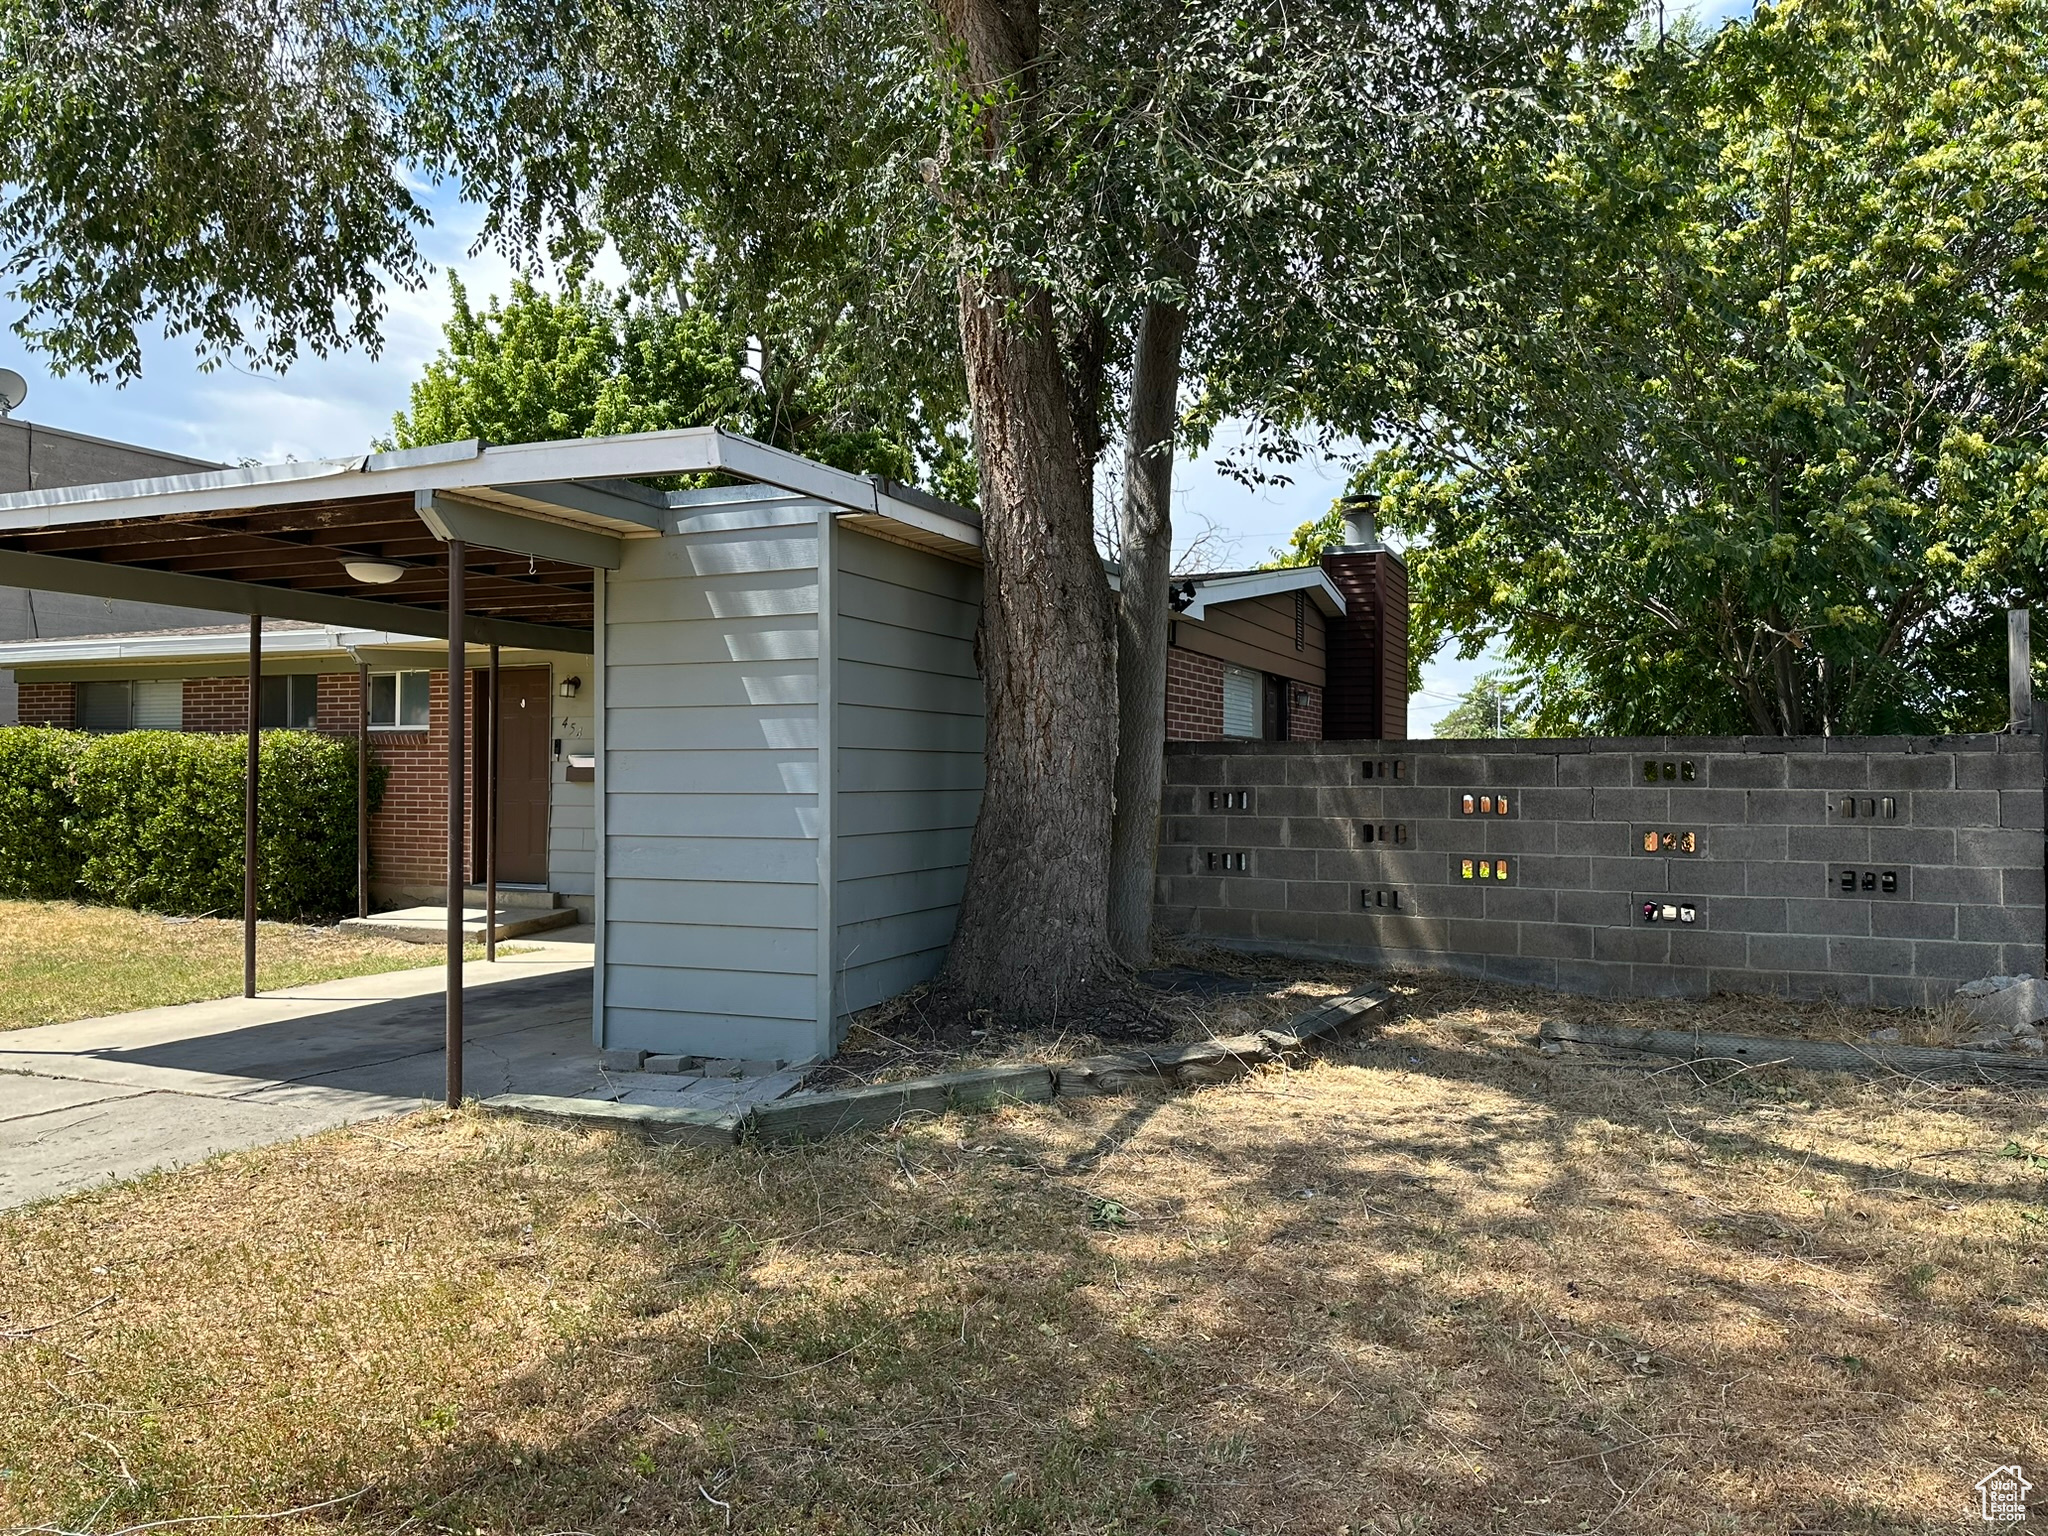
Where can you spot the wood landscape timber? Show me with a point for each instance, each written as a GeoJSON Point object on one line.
{"type": "Point", "coordinates": [1813, 1055]}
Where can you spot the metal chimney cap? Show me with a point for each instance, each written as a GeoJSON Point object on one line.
{"type": "Point", "coordinates": [1361, 527]}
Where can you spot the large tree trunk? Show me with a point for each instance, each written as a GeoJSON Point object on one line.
{"type": "Point", "coordinates": [1146, 547]}
{"type": "Point", "coordinates": [1034, 919]}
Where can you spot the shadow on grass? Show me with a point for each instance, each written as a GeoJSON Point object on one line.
{"type": "Point", "coordinates": [1427, 1289]}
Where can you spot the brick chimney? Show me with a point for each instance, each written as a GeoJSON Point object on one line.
{"type": "Point", "coordinates": [1365, 696]}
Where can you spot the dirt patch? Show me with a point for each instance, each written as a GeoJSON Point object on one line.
{"type": "Point", "coordinates": [1192, 995]}
{"type": "Point", "coordinates": [1207, 994]}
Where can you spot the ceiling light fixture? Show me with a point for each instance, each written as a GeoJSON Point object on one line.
{"type": "Point", "coordinates": [373, 573]}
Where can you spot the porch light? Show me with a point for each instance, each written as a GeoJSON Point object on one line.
{"type": "Point", "coordinates": [374, 573]}
{"type": "Point", "coordinates": [571, 686]}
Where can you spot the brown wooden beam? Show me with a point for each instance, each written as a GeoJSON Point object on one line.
{"type": "Point", "coordinates": [458, 673]}
{"type": "Point", "coordinates": [251, 846]}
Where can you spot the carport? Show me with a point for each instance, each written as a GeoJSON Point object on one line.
{"type": "Point", "coordinates": [788, 724]}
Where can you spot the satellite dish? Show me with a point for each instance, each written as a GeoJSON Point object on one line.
{"type": "Point", "coordinates": [13, 390]}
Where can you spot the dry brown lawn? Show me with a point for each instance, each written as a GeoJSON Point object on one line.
{"type": "Point", "coordinates": [1438, 1283]}
{"type": "Point", "coordinates": [60, 960]}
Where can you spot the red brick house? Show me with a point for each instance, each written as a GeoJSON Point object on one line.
{"type": "Point", "coordinates": [1302, 653]}
{"type": "Point", "coordinates": [197, 680]}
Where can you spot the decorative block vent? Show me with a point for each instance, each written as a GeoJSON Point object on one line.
{"type": "Point", "coordinates": [1651, 910]}
{"type": "Point", "coordinates": [1670, 771]}
{"type": "Point", "coordinates": [1381, 900]}
{"type": "Point", "coordinates": [1485, 804]}
{"type": "Point", "coordinates": [1492, 869]}
{"type": "Point", "coordinates": [1393, 833]}
{"type": "Point", "coordinates": [1226, 861]}
{"type": "Point", "coordinates": [1869, 807]}
{"type": "Point", "coordinates": [1867, 880]}
{"type": "Point", "coordinates": [1230, 799]}
{"type": "Point", "coordinates": [1670, 842]}
{"type": "Point", "coordinates": [1385, 768]}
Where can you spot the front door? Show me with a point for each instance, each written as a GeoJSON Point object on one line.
{"type": "Point", "coordinates": [523, 776]}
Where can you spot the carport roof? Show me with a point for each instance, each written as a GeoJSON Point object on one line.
{"type": "Point", "coordinates": [537, 519]}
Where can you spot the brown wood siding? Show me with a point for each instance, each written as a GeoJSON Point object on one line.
{"type": "Point", "coordinates": [1368, 695]}
{"type": "Point", "coordinates": [1259, 633]}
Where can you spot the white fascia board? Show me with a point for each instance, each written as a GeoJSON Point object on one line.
{"type": "Point", "coordinates": [927, 521]}
{"type": "Point", "coordinates": [693, 450]}
{"type": "Point", "coordinates": [1237, 589]}
{"type": "Point", "coordinates": [276, 642]}
{"type": "Point", "coordinates": [84, 650]}
{"type": "Point", "coordinates": [596, 464]}
{"type": "Point", "coordinates": [88, 648]}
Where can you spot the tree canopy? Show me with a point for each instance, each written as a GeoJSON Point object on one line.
{"type": "Point", "coordinates": [1498, 704]}
{"type": "Point", "coordinates": [1753, 436]}
{"type": "Point", "coordinates": [591, 363]}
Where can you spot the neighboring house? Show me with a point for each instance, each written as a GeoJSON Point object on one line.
{"type": "Point", "coordinates": [34, 457]}
{"type": "Point", "coordinates": [196, 679]}
{"type": "Point", "coordinates": [1302, 653]}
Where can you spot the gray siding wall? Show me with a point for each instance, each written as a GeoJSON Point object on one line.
{"type": "Point", "coordinates": [711, 782]}
{"type": "Point", "coordinates": [1774, 825]}
{"type": "Point", "coordinates": [908, 744]}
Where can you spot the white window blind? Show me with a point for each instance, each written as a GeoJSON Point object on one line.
{"type": "Point", "coordinates": [1241, 690]}
{"type": "Point", "coordinates": [159, 706]}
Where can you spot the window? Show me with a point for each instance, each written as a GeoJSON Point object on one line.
{"type": "Point", "coordinates": [398, 701]}
{"type": "Point", "coordinates": [131, 706]}
{"type": "Point", "coordinates": [287, 703]}
{"type": "Point", "coordinates": [1241, 696]}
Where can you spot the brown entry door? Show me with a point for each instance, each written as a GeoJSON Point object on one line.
{"type": "Point", "coordinates": [523, 776]}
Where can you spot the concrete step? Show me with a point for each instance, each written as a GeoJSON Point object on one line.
{"type": "Point", "coordinates": [429, 925]}
{"type": "Point", "coordinates": [514, 896]}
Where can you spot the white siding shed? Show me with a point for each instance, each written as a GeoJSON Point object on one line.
{"type": "Point", "coordinates": [790, 768]}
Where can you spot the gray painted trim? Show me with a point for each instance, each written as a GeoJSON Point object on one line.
{"type": "Point", "coordinates": [600, 864]}
{"type": "Point", "coordinates": [828, 777]}
{"type": "Point", "coordinates": [609, 499]}
{"type": "Point", "coordinates": [134, 583]}
{"type": "Point", "coordinates": [490, 528]}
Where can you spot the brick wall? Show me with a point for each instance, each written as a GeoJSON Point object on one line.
{"type": "Point", "coordinates": [409, 833]}
{"type": "Point", "coordinates": [1194, 696]}
{"type": "Point", "coordinates": [1361, 850]}
{"type": "Point", "coordinates": [1304, 712]}
{"type": "Point", "coordinates": [47, 704]}
{"type": "Point", "coordinates": [219, 703]}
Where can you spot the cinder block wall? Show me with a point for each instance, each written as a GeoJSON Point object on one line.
{"type": "Point", "coordinates": [1739, 847]}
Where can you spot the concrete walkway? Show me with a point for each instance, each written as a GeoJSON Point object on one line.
{"type": "Point", "coordinates": [108, 1098]}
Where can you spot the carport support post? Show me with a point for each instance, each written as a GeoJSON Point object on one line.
{"type": "Point", "coordinates": [491, 817]}
{"type": "Point", "coordinates": [458, 699]}
{"type": "Point", "coordinates": [362, 789]}
{"type": "Point", "coordinates": [255, 723]}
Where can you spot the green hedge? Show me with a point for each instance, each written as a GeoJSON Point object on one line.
{"type": "Point", "coordinates": [38, 856]}
{"type": "Point", "coordinates": [153, 819]}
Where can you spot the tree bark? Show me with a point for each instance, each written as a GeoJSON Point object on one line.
{"type": "Point", "coordinates": [1146, 547]}
{"type": "Point", "coordinates": [1033, 925]}
{"type": "Point", "coordinates": [1034, 918]}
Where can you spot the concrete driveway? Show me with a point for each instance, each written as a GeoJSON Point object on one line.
{"type": "Point", "coordinates": [109, 1098]}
